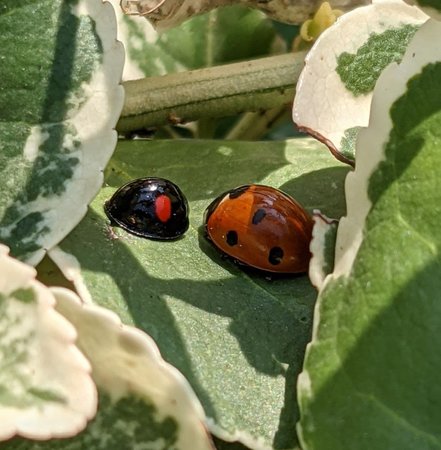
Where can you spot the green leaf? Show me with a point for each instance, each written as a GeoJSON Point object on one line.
{"type": "Point", "coordinates": [371, 371]}
{"type": "Point", "coordinates": [59, 100]}
{"type": "Point", "coordinates": [334, 91]}
{"type": "Point", "coordinates": [45, 386]}
{"type": "Point", "coordinates": [237, 337]}
{"type": "Point", "coordinates": [228, 34]}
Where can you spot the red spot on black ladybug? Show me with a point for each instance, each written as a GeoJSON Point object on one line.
{"type": "Point", "coordinates": [163, 208]}
{"type": "Point", "coordinates": [232, 238]}
{"type": "Point", "coordinates": [275, 256]}
{"type": "Point", "coordinates": [258, 216]}
{"type": "Point", "coordinates": [235, 193]}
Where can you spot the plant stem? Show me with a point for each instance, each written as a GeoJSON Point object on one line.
{"type": "Point", "coordinates": [242, 126]}
{"type": "Point", "coordinates": [254, 125]}
{"type": "Point", "coordinates": [220, 91]}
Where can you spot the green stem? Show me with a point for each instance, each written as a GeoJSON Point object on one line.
{"type": "Point", "coordinates": [254, 126]}
{"type": "Point", "coordinates": [213, 92]}
{"type": "Point", "coordinates": [209, 43]}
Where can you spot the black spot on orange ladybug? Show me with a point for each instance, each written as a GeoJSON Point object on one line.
{"type": "Point", "coordinates": [258, 216]}
{"type": "Point", "coordinates": [261, 227]}
{"type": "Point", "coordinates": [153, 208]}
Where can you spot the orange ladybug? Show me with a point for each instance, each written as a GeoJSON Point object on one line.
{"type": "Point", "coordinates": [261, 227]}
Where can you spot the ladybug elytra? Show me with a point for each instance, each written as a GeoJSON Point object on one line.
{"type": "Point", "coordinates": [261, 227]}
{"type": "Point", "coordinates": [153, 208]}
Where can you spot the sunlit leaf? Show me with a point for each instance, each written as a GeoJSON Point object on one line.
{"type": "Point", "coordinates": [371, 371]}
{"type": "Point", "coordinates": [45, 385]}
{"type": "Point", "coordinates": [334, 91]}
{"type": "Point", "coordinates": [59, 100]}
{"type": "Point", "coordinates": [322, 249]}
{"type": "Point", "coordinates": [237, 337]}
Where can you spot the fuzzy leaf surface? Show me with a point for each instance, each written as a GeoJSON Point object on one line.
{"type": "Point", "coordinates": [237, 337]}
{"type": "Point", "coordinates": [143, 402]}
{"type": "Point", "coordinates": [45, 385]}
{"type": "Point", "coordinates": [334, 91]}
{"type": "Point", "coordinates": [369, 379]}
{"type": "Point", "coordinates": [59, 100]}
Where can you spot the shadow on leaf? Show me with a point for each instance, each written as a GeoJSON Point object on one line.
{"type": "Point", "coordinates": [218, 327]}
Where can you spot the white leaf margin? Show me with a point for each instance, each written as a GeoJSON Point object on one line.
{"type": "Point", "coordinates": [71, 269]}
{"type": "Point", "coordinates": [94, 121]}
{"type": "Point", "coordinates": [126, 361]}
{"type": "Point", "coordinates": [319, 261]}
{"type": "Point", "coordinates": [372, 140]}
{"type": "Point", "coordinates": [53, 362]}
{"type": "Point", "coordinates": [323, 106]}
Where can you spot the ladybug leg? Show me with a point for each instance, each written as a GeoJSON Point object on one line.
{"type": "Point", "coordinates": [110, 232]}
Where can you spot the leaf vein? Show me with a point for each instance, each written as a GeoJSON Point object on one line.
{"type": "Point", "coordinates": [399, 418]}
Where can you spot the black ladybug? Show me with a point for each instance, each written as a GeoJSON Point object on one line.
{"type": "Point", "coordinates": [153, 208]}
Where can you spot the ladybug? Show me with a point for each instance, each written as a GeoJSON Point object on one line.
{"type": "Point", "coordinates": [153, 208]}
{"type": "Point", "coordinates": [261, 227]}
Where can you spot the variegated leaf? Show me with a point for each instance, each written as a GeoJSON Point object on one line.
{"type": "Point", "coordinates": [59, 101]}
{"type": "Point", "coordinates": [371, 372]}
{"type": "Point", "coordinates": [45, 385]}
{"type": "Point", "coordinates": [334, 91]}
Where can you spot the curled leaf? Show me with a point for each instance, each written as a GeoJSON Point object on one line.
{"type": "Point", "coordinates": [334, 91]}
{"type": "Point", "coordinates": [129, 371]}
{"type": "Point", "coordinates": [45, 386]}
